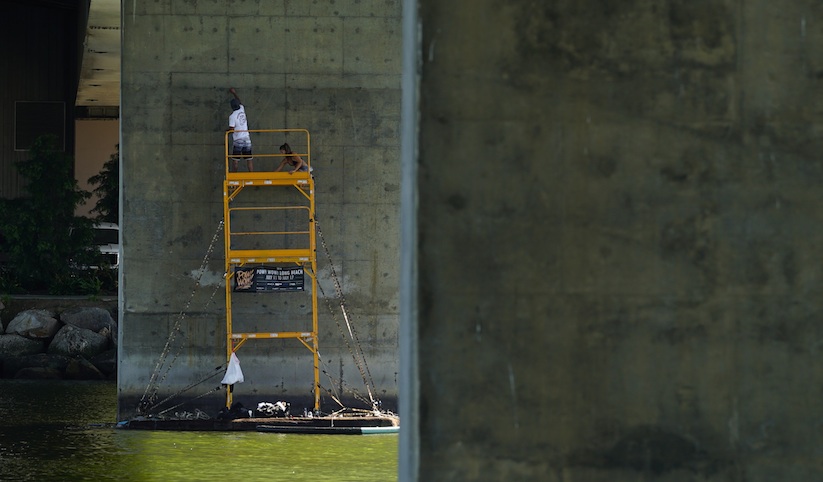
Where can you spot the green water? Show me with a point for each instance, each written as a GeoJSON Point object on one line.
{"type": "Point", "coordinates": [63, 431]}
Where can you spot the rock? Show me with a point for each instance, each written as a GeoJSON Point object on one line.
{"type": "Point", "coordinates": [95, 319]}
{"type": "Point", "coordinates": [110, 335]}
{"type": "Point", "coordinates": [45, 365]}
{"type": "Point", "coordinates": [74, 341]}
{"type": "Point", "coordinates": [38, 345]}
{"type": "Point", "coordinates": [90, 318]}
{"type": "Point", "coordinates": [14, 345]}
{"type": "Point", "coordinates": [106, 362]}
{"type": "Point", "coordinates": [39, 373]}
{"type": "Point", "coordinates": [82, 369]}
{"type": "Point", "coordinates": [38, 324]}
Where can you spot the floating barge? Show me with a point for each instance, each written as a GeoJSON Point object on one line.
{"type": "Point", "coordinates": [340, 425]}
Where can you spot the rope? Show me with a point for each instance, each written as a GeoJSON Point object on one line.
{"type": "Point", "coordinates": [333, 393]}
{"type": "Point", "coordinates": [218, 387]}
{"type": "Point", "coordinates": [153, 386]}
{"type": "Point", "coordinates": [185, 389]}
{"type": "Point", "coordinates": [357, 352]}
{"type": "Point", "coordinates": [342, 382]}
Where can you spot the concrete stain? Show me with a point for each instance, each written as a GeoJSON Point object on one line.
{"type": "Point", "coordinates": [651, 450]}
{"type": "Point", "coordinates": [623, 38]}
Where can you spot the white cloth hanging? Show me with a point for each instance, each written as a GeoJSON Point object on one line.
{"type": "Point", "coordinates": [233, 373]}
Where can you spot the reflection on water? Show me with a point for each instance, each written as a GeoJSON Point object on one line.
{"type": "Point", "coordinates": [53, 430]}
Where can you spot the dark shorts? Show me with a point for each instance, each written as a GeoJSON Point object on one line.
{"type": "Point", "coordinates": [241, 148]}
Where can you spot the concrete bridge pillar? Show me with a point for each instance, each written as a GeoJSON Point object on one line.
{"type": "Point", "coordinates": [329, 68]}
{"type": "Point", "coordinates": [618, 251]}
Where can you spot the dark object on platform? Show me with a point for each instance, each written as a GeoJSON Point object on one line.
{"type": "Point", "coordinates": [236, 411]}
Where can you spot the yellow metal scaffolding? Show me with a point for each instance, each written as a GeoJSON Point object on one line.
{"type": "Point", "coordinates": [279, 246]}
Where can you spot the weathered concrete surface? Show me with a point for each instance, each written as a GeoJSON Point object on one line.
{"type": "Point", "coordinates": [620, 241]}
{"type": "Point", "coordinates": [330, 67]}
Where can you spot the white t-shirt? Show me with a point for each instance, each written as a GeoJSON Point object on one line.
{"type": "Point", "coordinates": [237, 121]}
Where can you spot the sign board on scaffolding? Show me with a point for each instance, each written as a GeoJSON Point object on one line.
{"type": "Point", "coordinates": [260, 279]}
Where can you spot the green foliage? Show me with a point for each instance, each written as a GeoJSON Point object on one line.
{"type": "Point", "coordinates": [42, 237]}
{"type": "Point", "coordinates": [108, 189]}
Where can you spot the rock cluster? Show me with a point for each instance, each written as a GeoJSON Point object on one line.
{"type": "Point", "coordinates": [79, 344]}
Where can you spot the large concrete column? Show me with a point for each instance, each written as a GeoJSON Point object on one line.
{"type": "Point", "coordinates": [619, 241]}
{"type": "Point", "coordinates": [330, 68]}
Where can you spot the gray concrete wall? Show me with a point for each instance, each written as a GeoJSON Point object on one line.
{"type": "Point", "coordinates": [330, 67]}
{"type": "Point", "coordinates": [619, 241]}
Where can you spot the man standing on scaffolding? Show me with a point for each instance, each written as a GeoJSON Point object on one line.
{"type": "Point", "coordinates": [241, 145]}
